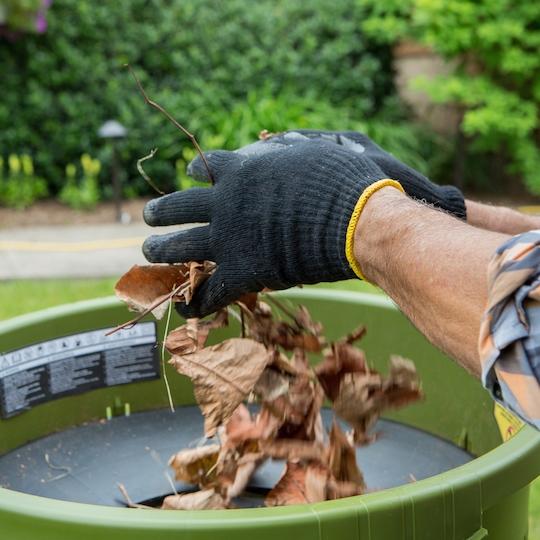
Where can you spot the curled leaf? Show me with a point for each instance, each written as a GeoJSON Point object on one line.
{"type": "Point", "coordinates": [192, 336]}
{"type": "Point", "coordinates": [341, 359]}
{"type": "Point", "coordinates": [402, 385]}
{"type": "Point", "coordinates": [151, 287]}
{"type": "Point", "coordinates": [142, 287]}
{"type": "Point", "coordinates": [223, 376]}
{"type": "Point", "coordinates": [206, 499]}
{"type": "Point", "coordinates": [301, 483]}
{"type": "Point", "coordinates": [196, 465]}
{"type": "Point", "coordinates": [271, 385]}
{"type": "Point", "coordinates": [343, 465]}
{"type": "Point", "coordinates": [359, 402]}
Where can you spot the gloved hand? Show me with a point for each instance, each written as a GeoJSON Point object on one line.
{"type": "Point", "coordinates": [275, 219]}
{"type": "Point", "coordinates": [415, 184]}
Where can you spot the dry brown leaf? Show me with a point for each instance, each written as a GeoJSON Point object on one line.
{"type": "Point", "coordinates": [363, 396]}
{"type": "Point", "coordinates": [282, 363]}
{"type": "Point", "coordinates": [316, 483]}
{"type": "Point", "coordinates": [293, 449]}
{"type": "Point", "coordinates": [360, 402]}
{"type": "Point", "coordinates": [150, 287]}
{"type": "Point", "coordinates": [240, 453]}
{"type": "Point", "coordinates": [192, 336]}
{"type": "Point", "coordinates": [304, 321]}
{"type": "Point", "coordinates": [223, 376]}
{"type": "Point", "coordinates": [355, 335]}
{"type": "Point", "coordinates": [198, 273]}
{"type": "Point", "coordinates": [303, 333]}
{"type": "Point", "coordinates": [196, 465]}
{"type": "Point", "coordinates": [206, 499]}
{"type": "Point", "coordinates": [288, 337]}
{"type": "Point", "coordinates": [243, 434]}
{"type": "Point", "coordinates": [299, 410]}
{"type": "Point", "coordinates": [301, 483]}
{"type": "Point", "coordinates": [142, 286]}
{"type": "Point", "coordinates": [340, 359]}
{"type": "Point", "coordinates": [402, 385]}
{"type": "Point", "coordinates": [248, 300]}
{"type": "Point", "coordinates": [300, 360]}
{"type": "Point", "coordinates": [342, 464]}
{"type": "Point", "coordinates": [271, 385]}
{"type": "Point", "coordinates": [339, 490]}
{"type": "Point", "coordinates": [294, 406]}
{"type": "Point", "coordinates": [244, 472]}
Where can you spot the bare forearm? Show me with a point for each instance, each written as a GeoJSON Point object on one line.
{"type": "Point", "coordinates": [432, 265]}
{"type": "Point", "coordinates": [499, 218]}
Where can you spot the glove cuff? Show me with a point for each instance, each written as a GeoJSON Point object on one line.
{"type": "Point", "coordinates": [453, 202]}
{"type": "Point", "coordinates": [353, 222]}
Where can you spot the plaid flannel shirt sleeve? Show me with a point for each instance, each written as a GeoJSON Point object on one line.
{"type": "Point", "coordinates": [509, 341]}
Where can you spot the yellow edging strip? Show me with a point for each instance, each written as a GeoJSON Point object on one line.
{"type": "Point", "coordinates": [91, 245]}
{"type": "Point", "coordinates": [367, 193]}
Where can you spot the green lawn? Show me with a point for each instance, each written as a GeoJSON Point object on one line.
{"type": "Point", "coordinates": [19, 297]}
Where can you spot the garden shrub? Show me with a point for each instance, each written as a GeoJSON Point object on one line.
{"type": "Point", "coordinates": [201, 59]}
{"type": "Point", "coordinates": [19, 184]}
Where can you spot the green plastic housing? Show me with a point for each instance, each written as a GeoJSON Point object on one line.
{"type": "Point", "coordinates": [486, 498]}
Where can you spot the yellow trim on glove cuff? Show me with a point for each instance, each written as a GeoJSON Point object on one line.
{"type": "Point", "coordinates": [366, 194]}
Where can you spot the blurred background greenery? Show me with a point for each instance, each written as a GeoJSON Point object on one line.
{"type": "Point", "coordinates": [230, 69]}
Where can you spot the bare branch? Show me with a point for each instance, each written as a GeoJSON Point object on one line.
{"type": "Point", "coordinates": [174, 122]}
{"type": "Point", "coordinates": [144, 175]}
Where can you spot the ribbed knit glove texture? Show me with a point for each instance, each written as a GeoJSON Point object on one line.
{"type": "Point", "coordinates": [275, 219]}
{"type": "Point", "coordinates": [415, 184]}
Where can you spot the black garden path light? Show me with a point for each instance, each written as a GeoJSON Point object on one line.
{"type": "Point", "coordinates": [114, 131]}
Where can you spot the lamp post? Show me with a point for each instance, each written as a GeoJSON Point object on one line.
{"type": "Point", "coordinates": [114, 131]}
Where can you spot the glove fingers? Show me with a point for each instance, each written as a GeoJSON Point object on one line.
{"type": "Point", "coordinates": [218, 161]}
{"type": "Point", "coordinates": [179, 246]}
{"type": "Point", "coordinates": [189, 206]}
{"type": "Point", "coordinates": [212, 295]}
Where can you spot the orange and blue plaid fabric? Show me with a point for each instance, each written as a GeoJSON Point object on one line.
{"type": "Point", "coordinates": [510, 332]}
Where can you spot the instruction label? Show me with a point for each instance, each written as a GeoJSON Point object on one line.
{"type": "Point", "coordinates": [77, 363]}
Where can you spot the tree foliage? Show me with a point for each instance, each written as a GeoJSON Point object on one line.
{"type": "Point", "coordinates": [201, 59]}
{"type": "Point", "coordinates": [494, 47]}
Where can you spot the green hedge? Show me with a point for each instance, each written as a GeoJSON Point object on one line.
{"type": "Point", "coordinates": [202, 59]}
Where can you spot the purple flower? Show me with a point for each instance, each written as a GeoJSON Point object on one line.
{"type": "Point", "coordinates": [41, 23]}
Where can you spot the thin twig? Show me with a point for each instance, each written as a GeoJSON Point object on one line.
{"type": "Point", "coordinates": [144, 175]}
{"type": "Point", "coordinates": [174, 122]}
{"type": "Point", "coordinates": [155, 456]}
{"type": "Point", "coordinates": [280, 306]}
{"type": "Point", "coordinates": [160, 300]}
{"type": "Point", "coordinates": [67, 471]}
{"type": "Point", "coordinates": [128, 500]}
{"type": "Point", "coordinates": [163, 366]}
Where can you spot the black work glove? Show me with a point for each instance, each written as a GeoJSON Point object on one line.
{"type": "Point", "coordinates": [275, 220]}
{"type": "Point", "coordinates": [415, 184]}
